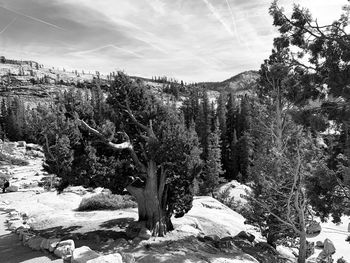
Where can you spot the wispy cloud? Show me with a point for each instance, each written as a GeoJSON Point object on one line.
{"type": "Point", "coordinates": [235, 29]}
{"type": "Point", "coordinates": [193, 40]}
{"type": "Point", "coordinates": [31, 17]}
{"type": "Point", "coordinates": [108, 48]}
{"type": "Point", "coordinates": [217, 15]}
{"type": "Point", "coordinates": [8, 25]}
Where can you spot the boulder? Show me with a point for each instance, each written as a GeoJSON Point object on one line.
{"type": "Point", "coordinates": [112, 258]}
{"type": "Point", "coordinates": [144, 234]}
{"type": "Point", "coordinates": [26, 237]}
{"type": "Point", "coordinates": [189, 229]}
{"type": "Point", "coordinates": [68, 242]}
{"type": "Point", "coordinates": [84, 254]}
{"type": "Point", "coordinates": [328, 248]}
{"type": "Point", "coordinates": [319, 244]}
{"type": "Point", "coordinates": [53, 242]}
{"type": "Point", "coordinates": [120, 242]}
{"type": "Point", "coordinates": [266, 247]}
{"type": "Point", "coordinates": [136, 241]}
{"type": "Point", "coordinates": [21, 232]}
{"type": "Point", "coordinates": [45, 244]}
{"type": "Point", "coordinates": [190, 221]}
{"type": "Point", "coordinates": [209, 238]}
{"type": "Point", "coordinates": [35, 242]}
{"type": "Point", "coordinates": [313, 227]}
{"type": "Point", "coordinates": [245, 235]}
{"type": "Point", "coordinates": [63, 251]}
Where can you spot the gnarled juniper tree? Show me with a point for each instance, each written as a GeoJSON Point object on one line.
{"type": "Point", "coordinates": [140, 145]}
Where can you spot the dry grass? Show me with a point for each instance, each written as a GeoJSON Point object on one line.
{"type": "Point", "coordinates": [106, 202]}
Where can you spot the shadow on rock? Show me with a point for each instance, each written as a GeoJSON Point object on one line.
{"type": "Point", "coordinates": [119, 222]}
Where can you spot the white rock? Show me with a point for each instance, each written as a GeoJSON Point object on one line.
{"type": "Point", "coordinates": [25, 227]}
{"type": "Point", "coordinates": [188, 229]}
{"type": "Point", "coordinates": [68, 242]}
{"type": "Point", "coordinates": [112, 258]}
{"type": "Point", "coordinates": [53, 242]}
{"type": "Point", "coordinates": [63, 251]}
{"type": "Point", "coordinates": [83, 254]}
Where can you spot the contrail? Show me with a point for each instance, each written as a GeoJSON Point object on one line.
{"type": "Point", "coordinates": [32, 18]}
{"type": "Point", "coordinates": [218, 17]}
{"type": "Point", "coordinates": [233, 19]}
{"type": "Point", "coordinates": [106, 46]}
{"type": "Point", "coordinates": [8, 25]}
{"type": "Point", "coordinates": [235, 28]}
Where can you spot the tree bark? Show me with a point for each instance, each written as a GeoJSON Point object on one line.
{"type": "Point", "coordinates": [150, 203]}
{"type": "Point", "coordinates": [302, 247]}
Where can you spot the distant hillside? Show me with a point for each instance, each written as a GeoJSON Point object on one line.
{"type": "Point", "coordinates": [238, 84]}
{"type": "Point", "coordinates": [35, 83]}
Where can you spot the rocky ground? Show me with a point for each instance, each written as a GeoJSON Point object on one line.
{"type": "Point", "coordinates": [210, 232]}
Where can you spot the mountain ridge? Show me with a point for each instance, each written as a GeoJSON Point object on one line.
{"type": "Point", "coordinates": [33, 81]}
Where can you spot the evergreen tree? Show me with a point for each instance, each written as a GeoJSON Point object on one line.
{"type": "Point", "coordinates": [153, 155]}
{"type": "Point", "coordinates": [221, 115]}
{"type": "Point", "coordinates": [245, 141]}
{"type": "Point", "coordinates": [212, 168]}
{"type": "Point", "coordinates": [231, 164]}
{"type": "Point", "coordinates": [324, 79]}
{"type": "Point", "coordinates": [283, 160]}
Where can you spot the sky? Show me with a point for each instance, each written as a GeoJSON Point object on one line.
{"type": "Point", "coordinates": [192, 40]}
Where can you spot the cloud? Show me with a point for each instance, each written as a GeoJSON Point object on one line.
{"type": "Point", "coordinates": [217, 15]}
{"type": "Point", "coordinates": [107, 49]}
{"type": "Point", "coordinates": [8, 25]}
{"type": "Point", "coordinates": [193, 40]}
{"type": "Point", "coordinates": [31, 17]}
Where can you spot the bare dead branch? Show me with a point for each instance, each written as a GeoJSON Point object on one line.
{"type": "Point", "coordinates": [116, 146]}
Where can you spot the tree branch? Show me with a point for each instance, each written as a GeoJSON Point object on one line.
{"type": "Point", "coordinates": [120, 146]}
{"type": "Point", "coordinates": [276, 216]}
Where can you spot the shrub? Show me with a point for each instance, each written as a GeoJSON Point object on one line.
{"type": "Point", "coordinates": [104, 201]}
{"type": "Point", "coordinates": [341, 260]}
{"type": "Point", "coordinates": [235, 205]}
{"type": "Point", "coordinates": [12, 160]}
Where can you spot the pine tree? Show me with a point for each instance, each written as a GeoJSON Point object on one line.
{"type": "Point", "coordinates": [245, 141]}
{"type": "Point", "coordinates": [231, 164]}
{"type": "Point", "coordinates": [203, 124]}
{"type": "Point", "coordinates": [212, 168]}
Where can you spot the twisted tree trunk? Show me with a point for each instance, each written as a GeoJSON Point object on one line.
{"type": "Point", "coordinates": [151, 202]}
{"type": "Point", "coordinates": [152, 197]}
